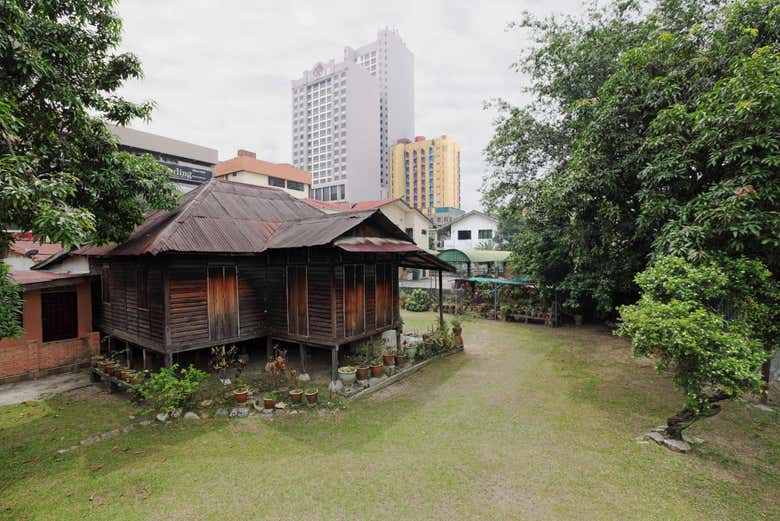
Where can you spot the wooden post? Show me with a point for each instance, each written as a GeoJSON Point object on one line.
{"type": "Point", "coordinates": [168, 359]}
{"type": "Point", "coordinates": [495, 301]}
{"type": "Point", "coordinates": [269, 346]}
{"type": "Point", "coordinates": [128, 355]}
{"type": "Point", "coordinates": [441, 301]}
{"type": "Point", "coordinates": [334, 362]}
{"type": "Point", "coordinates": [143, 352]}
{"type": "Point", "coordinates": [302, 350]}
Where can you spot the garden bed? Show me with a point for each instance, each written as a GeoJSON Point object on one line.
{"type": "Point", "coordinates": [400, 375]}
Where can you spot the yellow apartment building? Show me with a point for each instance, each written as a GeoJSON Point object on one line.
{"type": "Point", "coordinates": [426, 173]}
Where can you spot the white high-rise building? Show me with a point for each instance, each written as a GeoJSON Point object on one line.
{"type": "Point", "coordinates": [346, 115]}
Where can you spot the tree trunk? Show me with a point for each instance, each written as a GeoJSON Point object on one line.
{"type": "Point", "coordinates": [685, 418]}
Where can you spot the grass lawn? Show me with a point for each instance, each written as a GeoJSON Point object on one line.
{"type": "Point", "coordinates": [528, 423]}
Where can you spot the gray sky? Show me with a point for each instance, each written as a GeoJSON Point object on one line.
{"type": "Point", "coordinates": [220, 71]}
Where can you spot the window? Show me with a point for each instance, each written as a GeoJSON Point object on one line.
{"type": "Point", "coordinates": [354, 300]}
{"type": "Point", "coordinates": [384, 294]}
{"type": "Point", "coordinates": [294, 185]}
{"type": "Point", "coordinates": [297, 301]}
{"type": "Point", "coordinates": [222, 302]}
{"type": "Point", "coordinates": [410, 233]}
{"type": "Point", "coordinates": [59, 315]}
{"type": "Point", "coordinates": [142, 287]}
{"type": "Point", "coordinates": [464, 235]}
{"type": "Point", "coordinates": [275, 181]}
{"type": "Point", "coordinates": [485, 234]}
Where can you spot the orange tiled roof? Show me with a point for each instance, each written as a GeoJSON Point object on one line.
{"type": "Point", "coordinates": [370, 205]}
{"type": "Point", "coordinates": [45, 249]}
{"type": "Point", "coordinates": [344, 207]}
{"type": "Point", "coordinates": [257, 166]}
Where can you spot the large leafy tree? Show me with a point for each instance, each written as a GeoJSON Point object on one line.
{"type": "Point", "coordinates": [649, 163]}
{"type": "Point", "coordinates": [61, 175]}
{"type": "Point", "coordinates": [653, 129]}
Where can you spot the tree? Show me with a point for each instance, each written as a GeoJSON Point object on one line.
{"type": "Point", "coordinates": [679, 320]}
{"type": "Point", "coordinates": [638, 142]}
{"type": "Point", "coordinates": [61, 175]}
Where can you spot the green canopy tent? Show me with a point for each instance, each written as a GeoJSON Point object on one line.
{"type": "Point", "coordinates": [493, 258]}
{"type": "Point", "coordinates": [517, 281]}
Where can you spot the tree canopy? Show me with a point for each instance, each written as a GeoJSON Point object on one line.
{"type": "Point", "coordinates": [654, 128]}
{"type": "Point", "coordinates": [61, 174]}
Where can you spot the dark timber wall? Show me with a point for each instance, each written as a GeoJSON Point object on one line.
{"type": "Point", "coordinates": [199, 301]}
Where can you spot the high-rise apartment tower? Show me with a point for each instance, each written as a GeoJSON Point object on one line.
{"type": "Point", "coordinates": [336, 109]}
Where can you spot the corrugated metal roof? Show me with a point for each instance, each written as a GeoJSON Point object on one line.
{"type": "Point", "coordinates": [41, 277]}
{"type": "Point", "coordinates": [235, 218]}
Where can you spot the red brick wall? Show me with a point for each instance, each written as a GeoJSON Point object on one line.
{"type": "Point", "coordinates": [29, 356]}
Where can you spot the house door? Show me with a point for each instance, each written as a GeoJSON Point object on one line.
{"type": "Point", "coordinates": [297, 301]}
{"type": "Point", "coordinates": [354, 300]}
{"type": "Point", "coordinates": [223, 302]}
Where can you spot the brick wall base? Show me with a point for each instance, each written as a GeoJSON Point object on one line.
{"type": "Point", "coordinates": [36, 359]}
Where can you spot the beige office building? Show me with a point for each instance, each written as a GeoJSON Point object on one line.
{"type": "Point", "coordinates": [426, 173]}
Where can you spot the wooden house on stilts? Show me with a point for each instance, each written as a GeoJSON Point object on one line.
{"type": "Point", "coordinates": [237, 262]}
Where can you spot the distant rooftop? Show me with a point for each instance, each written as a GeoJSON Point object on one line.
{"type": "Point", "coordinates": [246, 161]}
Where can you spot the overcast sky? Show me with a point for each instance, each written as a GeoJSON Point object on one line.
{"type": "Point", "coordinates": [220, 72]}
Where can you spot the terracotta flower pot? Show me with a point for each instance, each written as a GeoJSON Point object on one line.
{"type": "Point", "coordinates": [311, 398]}
{"type": "Point", "coordinates": [389, 359]}
{"type": "Point", "coordinates": [363, 372]}
{"type": "Point", "coordinates": [241, 395]}
{"type": "Point", "coordinates": [457, 330]}
{"type": "Point", "coordinates": [269, 403]}
{"type": "Point", "coordinates": [125, 374]}
{"type": "Point", "coordinates": [377, 370]}
{"type": "Point", "coordinates": [296, 396]}
{"type": "Point", "coordinates": [401, 360]}
{"type": "Point", "coordinates": [137, 379]}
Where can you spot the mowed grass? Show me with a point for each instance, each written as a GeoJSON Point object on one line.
{"type": "Point", "coordinates": [528, 423]}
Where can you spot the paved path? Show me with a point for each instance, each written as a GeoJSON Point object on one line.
{"type": "Point", "coordinates": [29, 390]}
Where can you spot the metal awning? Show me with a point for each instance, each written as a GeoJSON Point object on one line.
{"type": "Point", "coordinates": [375, 245]}
{"type": "Point", "coordinates": [412, 256]}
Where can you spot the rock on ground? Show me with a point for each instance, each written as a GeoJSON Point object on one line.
{"type": "Point", "coordinates": [162, 417]}
{"type": "Point", "coordinates": [677, 445]}
{"type": "Point", "coordinates": [191, 416]}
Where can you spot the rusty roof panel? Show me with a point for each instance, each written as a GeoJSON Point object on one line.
{"type": "Point", "coordinates": [236, 218]}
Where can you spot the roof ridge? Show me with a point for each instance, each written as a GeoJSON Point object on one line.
{"type": "Point", "coordinates": [180, 213]}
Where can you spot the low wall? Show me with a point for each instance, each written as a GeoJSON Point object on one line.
{"type": "Point", "coordinates": [35, 359]}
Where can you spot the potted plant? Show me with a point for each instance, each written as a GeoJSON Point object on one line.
{"type": "Point", "coordinates": [125, 373]}
{"type": "Point", "coordinates": [457, 329]}
{"type": "Point", "coordinates": [347, 374]}
{"type": "Point", "coordinates": [138, 378]}
{"type": "Point", "coordinates": [363, 371]}
{"type": "Point", "coordinates": [268, 402]}
{"type": "Point", "coordinates": [388, 357]}
{"type": "Point", "coordinates": [241, 393]}
{"type": "Point", "coordinates": [401, 359]}
{"type": "Point", "coordinates": [113, 368]}
{"type": "Point", "coordinates": [296, 396]}
{"type": "Point", "coordinates": [377, 367]}
{"type": "Point", "coordinates": [312, 394]}
{"type": "Point", "coordinates": [411, 350]}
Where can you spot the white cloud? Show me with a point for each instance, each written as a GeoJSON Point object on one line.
{"type": "Point", "coordinates": [220, 72]}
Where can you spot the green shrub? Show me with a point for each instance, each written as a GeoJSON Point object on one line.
{"type": "Point", "coordinates": [679, 321]}
{"type": "Point", "coordinates": [419, 300]}
{"type": "Point", "coordinates": [172, 387]}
